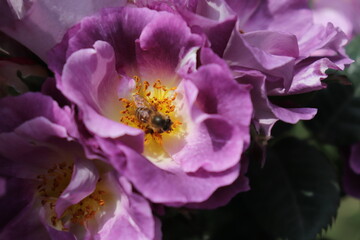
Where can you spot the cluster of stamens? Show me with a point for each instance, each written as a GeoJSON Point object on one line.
{"type": "Point", "coordinates": [51, 186]}
{"type": "Point", "coordinates": [158, 96]}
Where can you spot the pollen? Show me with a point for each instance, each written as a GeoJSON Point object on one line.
{"type": "Point", "coordinates": [51, 186]}
{"type": "Point", "coordinates": [158, 98]}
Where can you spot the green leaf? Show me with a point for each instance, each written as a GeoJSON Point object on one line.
{"type": "Point", "coordinates": [353, 48]}
{"type": "Point", "coordinates": [236, 221]}
{"type": "Point", "coordinates": [232, 221]}
{"type": "Point", "coordinates": [296, 195]}
{"type": "Point", "coordinates": [183, 224]}
{"type": "Point", "coordinates": [338, 117]}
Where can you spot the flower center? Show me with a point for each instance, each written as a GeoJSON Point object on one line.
{"type": "Point", "coordinates": [152, 110]}
{"type": "Point", "coordinates": [52, 184]}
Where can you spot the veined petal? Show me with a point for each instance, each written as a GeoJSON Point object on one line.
{"type": "Point", "coordinates": [160, 47]}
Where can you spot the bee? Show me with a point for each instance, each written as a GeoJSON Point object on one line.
{"type": "Point", "coordinates": [147, 114]}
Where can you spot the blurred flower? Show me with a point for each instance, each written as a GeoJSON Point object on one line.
{"type": "Point", "coordinates": [341, 13]}
{"type": "Point", "coordinates": [125, 66]}
{"type": "Point", "coordinates": [351, 179]}
{"type": "Point", "coordinates": [66, 195]}
{"type": "Point", "coordinates": [46, 21]}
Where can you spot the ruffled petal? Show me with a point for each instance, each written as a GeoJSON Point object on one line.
{"type": "Point", "coordinates": [223, 195]}
{"type": "Point", "coordinates": [27, 138]}
{"type": "Point", "coordinates": [119, 27]}
{"type": "Point", "coordinates": [265, 112]}
{"type": "Point", "coordinates": [82, 183]}
{"type": "Point", "coordinates": [168, 183]}
{"type": "Point", "coordinates": [89, 79]}
{"type": "Point", "coordinates": [131, 218]}
{"type": "Point", "coordinates": [17, 110]}
{"type": "Point", "coordinates": [220, 131]}
{"type": "Point", "coordinates": [162, 43]}
{"type": "Point", "coordinates": [247, 52]}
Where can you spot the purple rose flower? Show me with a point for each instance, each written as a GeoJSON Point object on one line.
{"type": "Point", "coordinates": [64, 195]}
{"type": "Point", "coordinates": [276, 47]}
{"type": "Point", "coordinates": [164, 109]}
{"type": "Point", "coordinates": [351, 179]}
{"type": "Point", "coordinates": [290, 51]}
{"type": "Point", "coordinates": [341, 13]}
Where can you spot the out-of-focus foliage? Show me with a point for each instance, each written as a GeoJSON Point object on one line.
{"type": "Point", "coordinates": [346, 226]}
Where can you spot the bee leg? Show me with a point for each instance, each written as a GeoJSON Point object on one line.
{"type": "Point", "coordinates": [149, 130]}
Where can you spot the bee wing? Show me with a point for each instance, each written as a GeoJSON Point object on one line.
{"type": "Point", "coordinates": [141, 102]}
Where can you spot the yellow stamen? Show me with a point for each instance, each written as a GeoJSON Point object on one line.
{"type": "Point", "coordinates": [158, 96]}
{"type": "Point", "coordinates": [51, 186]}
